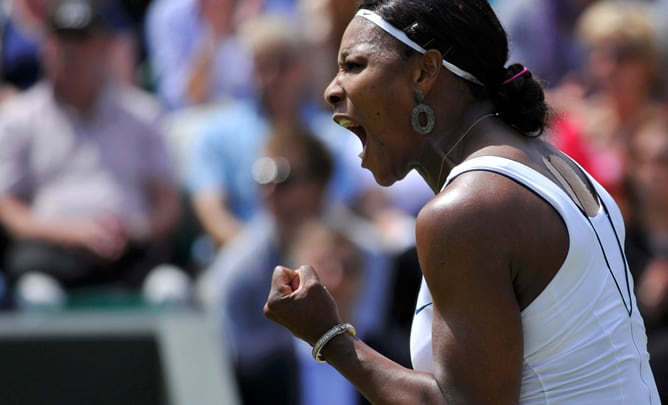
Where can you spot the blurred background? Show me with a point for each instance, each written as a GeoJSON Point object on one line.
{"type": "Point", "coordinates": [159, 157]}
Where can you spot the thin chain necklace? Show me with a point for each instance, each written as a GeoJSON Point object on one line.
{"type": "Point", "coordinates": [476, 122]}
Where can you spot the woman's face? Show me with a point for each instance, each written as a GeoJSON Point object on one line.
{"type": "Point", "coordinates": [649, 164]}
{"type": "Point", "coordinates": [372, 96]}
{"type": "Point", "coordinates": [299, 197]}
{"type": "Point", "coordinates": [620, 69]}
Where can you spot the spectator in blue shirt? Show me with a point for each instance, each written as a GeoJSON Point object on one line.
{"type": "Point", "coordinates": [219, 176]}
{"type": "Point", "coordinates": [194, 53]}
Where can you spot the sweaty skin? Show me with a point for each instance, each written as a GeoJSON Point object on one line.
{"type": "Point", "coordinates": [481, 241]}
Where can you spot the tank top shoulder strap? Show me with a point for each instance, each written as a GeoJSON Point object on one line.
{"type": "Point", "coordinates": [524, 175]}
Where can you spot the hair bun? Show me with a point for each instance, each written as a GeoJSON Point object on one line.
{"type": "Point", "coordinates": [520, 100]}
{"type": "Point", "coordinates": [514, 76]}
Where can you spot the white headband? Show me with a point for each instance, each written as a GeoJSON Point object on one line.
{"type": "Point", "coordinates": [401, 36]}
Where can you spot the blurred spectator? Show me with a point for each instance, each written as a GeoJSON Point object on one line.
{"type": "Point", "coordinates": [542, 36]}
{"type": "Point", "coordinates": [658, 10]}
{"type": "Point", "coordinates": [293, 177]}
{"type": "Point", "coordinates": [286, 7]}
{"type": "Point", "coordinates": [86, 185]}
{"type": "Point", "coordinates": [194, 52]}
{"type": "Point", "coordinates": [220, 179]}
{"type": "Point", "coordinates": [324, 23]}
{"type": "Point", "coordinates": [621, 75]}
{"type": "Point", "coordinates": [294, 192]}
{"type": "Point", "coordinates": [21, 32]}
{"type": "Point", "coordinates": [647, 238]}
{"type": "Point", "coordinates": [338, 263]}
{"type": "Point", "coordinates": [648, 231]}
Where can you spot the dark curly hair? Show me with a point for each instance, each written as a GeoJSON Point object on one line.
{"type": "Point", "coordinates": [469, 35]}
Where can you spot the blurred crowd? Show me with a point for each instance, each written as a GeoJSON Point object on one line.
{"type": "Point", "coordinates": [177, 150]}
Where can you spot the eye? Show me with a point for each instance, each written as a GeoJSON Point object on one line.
{"type": "Point", "coordinates": [351, 66]}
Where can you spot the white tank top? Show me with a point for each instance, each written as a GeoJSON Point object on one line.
{"type": "Point", "coordinates": [584, 339]}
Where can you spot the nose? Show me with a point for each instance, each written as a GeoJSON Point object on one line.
{"type": "Point", "coordinates": [334, 93]}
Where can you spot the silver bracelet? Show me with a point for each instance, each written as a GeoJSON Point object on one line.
{"type": "Point", "coordinates": [335, 331]}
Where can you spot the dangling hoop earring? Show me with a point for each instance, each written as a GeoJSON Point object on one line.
{"type": "Point", "coordinates": [417, 111]}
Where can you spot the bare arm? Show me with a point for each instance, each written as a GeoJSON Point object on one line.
{"type": "Point", "coordinates": [199, 78]}
{"type": "Point", "coordinates": [217, 220]}
{"type": "Point", "coordinates": [19, 221]}
{"type": "Point", "coordinates": [379, 379]}
{"type": "Point", "coordinates": [464, 244]}
{"type": "Point", "coordinates": [477, 333]}
{"type": "Point", "coordinates": [106, 236]}
{"type": "Point", "coordinates": [102, 236]}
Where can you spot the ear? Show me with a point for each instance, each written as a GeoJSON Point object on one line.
{"type": "Point", "coordinates": [428, 69]}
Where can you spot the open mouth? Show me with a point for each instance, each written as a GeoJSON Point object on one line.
{"type": "Point", "coordinates": [356, 129]}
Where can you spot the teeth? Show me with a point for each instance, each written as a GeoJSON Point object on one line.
{"type": "Point", "coordinates": [346, 123]}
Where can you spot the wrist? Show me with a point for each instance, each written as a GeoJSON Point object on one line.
{"type": "Point", "coordinates": [333, 332]}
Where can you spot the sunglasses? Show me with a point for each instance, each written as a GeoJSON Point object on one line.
{"type": "Point", "coordinates": [621, 52]}
{"type": "Point", "coordinates": [268, 171]}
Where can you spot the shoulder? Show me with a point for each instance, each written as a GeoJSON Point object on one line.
{"type": "Point", "coordinates": [223, 126]}
{"type": "Point", "coordinates": [474, 214]}
{"type": "Point", "coordinates": [27, 101]}
{"type": "Point", "coordinates": [161, 11]}
{"type": "Point", "coordinates": [248, 258]}
{"type": "Point", "coordinates": [470, 201]}
{"type": "Point", "coordinates": [17, 115]}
